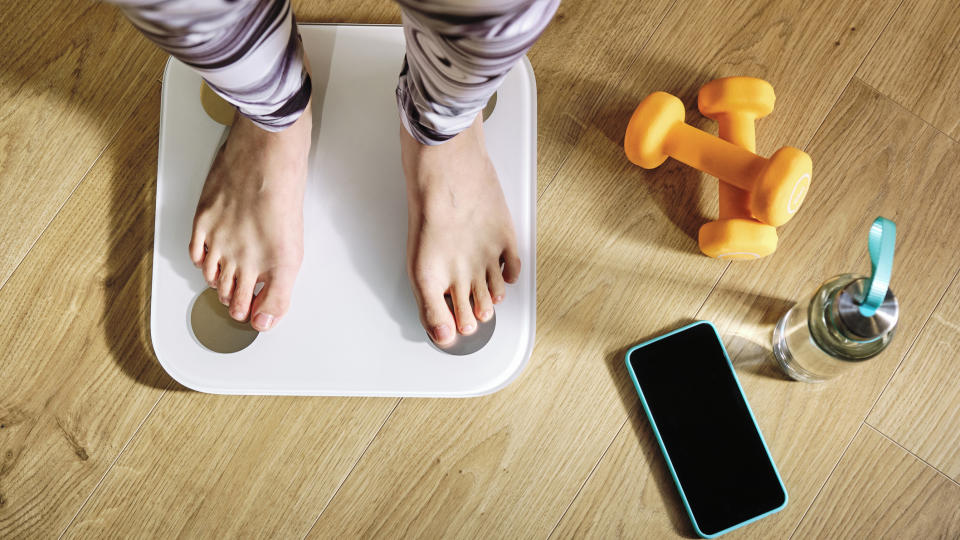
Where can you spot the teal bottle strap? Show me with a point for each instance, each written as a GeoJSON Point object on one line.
{"type": "Point", "coordinates": [883, 234]}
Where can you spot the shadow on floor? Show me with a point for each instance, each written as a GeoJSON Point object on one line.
{"type": "Point", "coordinates": [133, 208]}
{"type": "Point", "coordinates": [683, 196]}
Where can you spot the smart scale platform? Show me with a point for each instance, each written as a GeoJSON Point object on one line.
{"type": "Point", "coordinates": [353, 327]}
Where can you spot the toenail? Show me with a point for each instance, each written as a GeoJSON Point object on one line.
{"type": "Point", "coordinates": [263, 321]}
{"type": "Point", "coordinates": [467, 328]}
{"type": "Point", "coordinates": [487, 313]}
{"type": "Point", "coordinates": [442, 333]}
{"type": "Point", "coordinates": [236, 314]}
{"type": "Point", "coordinates": [498, 298]}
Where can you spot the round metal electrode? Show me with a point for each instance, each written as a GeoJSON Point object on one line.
{"type": "Point", "coordinates": [213, 327]}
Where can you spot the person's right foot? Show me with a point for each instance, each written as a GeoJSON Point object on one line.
{"type": "Point", "coordinates": [249, 222]}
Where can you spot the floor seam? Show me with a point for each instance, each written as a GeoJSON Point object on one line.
{"type": "Point", "coordinates": [880, 395]}
{"type": "Point", "coordinates": [914, 454]}
{"type": "Point", "coordinates": [62, 204]}
{"type": "Point", "coordinates": [854, 75]}
{"type": "Point", "coordinates": [906, 109]}
{"type": "Point", "coordinates": [546, 188]}
{"type": "Point", "coordinates": [555, 174]}
{"type": "Point", "coordinates": [712, 289]}
{"type": "Point", "coordinates": [909, 350]}
{"type": "Point", "coordinates": [143, 421]}
{"type": "Point", "coordinates": [827, 479]}
{"type": "Point", "coordinates": [350, 472]}
{"type": "Point", "coordinates": [587, 479]}
{"type": "Point", "coordinates": [864, 422]}
{"type": "Point", "coordinates": [613, 87]}
{"type": "Point", "coordinates": [932, 311]}
{"type": "Point", "coordinates": [807, 146]}
{"type": "Point", "coordinates": [115, 460]}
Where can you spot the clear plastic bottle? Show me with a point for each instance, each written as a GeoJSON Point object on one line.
{"type": "Point", "coordinates": [826, 335]}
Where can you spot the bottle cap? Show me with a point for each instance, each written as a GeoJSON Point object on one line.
{"type": "Point", "coordinates": [867, 307]}
{"type": "Point", "coordinates": [847, 310]}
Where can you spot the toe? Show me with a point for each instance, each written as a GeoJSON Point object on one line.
{"type": "Point", "coordinates": [225, 282]}
{"type": "Point", "coordinates": [511, 265]}
{"type": "Point", "coordinates": [274, 299]}
{"type": "Point", "coordinates": [242, 296]}
{"type": "Point", "coordinates": [482, 303]}
{"type": "Point", "coordinates": [197, 249]}
{"type": "Point", "coordinates": [463, 311]}
{"type": "Point", "coordinates": [211, 268]}
{"type": "Point", "coordinates": [436, 317]}
{"type": "Point", "coordinates": [495, 284]}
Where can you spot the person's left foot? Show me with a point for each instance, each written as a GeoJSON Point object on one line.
{"type": "Point", "coordinates": [459, 232]}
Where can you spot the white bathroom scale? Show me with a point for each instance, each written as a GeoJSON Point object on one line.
{"type": "Point", "coordinates": [353, 327]}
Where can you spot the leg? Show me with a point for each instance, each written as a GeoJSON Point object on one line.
{"type": "Point", "coordinates": [461, 239]}
{"type": "Point", "coordinates": [248, 226]}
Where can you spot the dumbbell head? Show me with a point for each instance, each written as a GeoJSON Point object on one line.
{"type": "Point", "coordinates": [648, 129]}
{"type": "Point", "coordinates": [737, 239]}
{"type": "Point", "coordinates": [736, 95]}
{"type": "Point", "coordinates": [781, 187]}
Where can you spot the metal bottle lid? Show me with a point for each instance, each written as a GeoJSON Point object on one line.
{"type": "Point", "coordinates": [847, 308]}
{"type": "Point", "coordinates": [867, 308]}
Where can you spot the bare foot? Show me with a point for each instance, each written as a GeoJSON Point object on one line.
{"type": "Point", "coordinates": [459, 232]}
{"type": "Point", "coordinates": [249, 222]}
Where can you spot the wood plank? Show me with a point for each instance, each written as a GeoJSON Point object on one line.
{"type": "Point", "coordinates": [616, 263]}
{"type": "Point", "coordinates": [571, 90]}
{"type": "Point", "coordinates": [879, 490]}
{"type": "Point", "coordinates": [231, 466]}
{"type": "Point", "coordinates": [863, 155]}
{"type": "Point", "coordinates": [70, 74]}
{"type": "Point", "coordinates": [808, 56]}
{"type": "Point", "coordinates": [635, 480]}
{"type": "Point", "coordinates": [348, 12]}
{"type": "Point", "coordinates": [920, 408]}
{"type": "Point", "coordinates": [916, 62]}
{"type": "Point", "coordinates": [78, 371]}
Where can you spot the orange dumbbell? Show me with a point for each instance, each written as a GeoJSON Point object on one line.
{"type": "Point", "coordinates": [776, 185]}
{"type": "Point", "coordinates": [735, 103]}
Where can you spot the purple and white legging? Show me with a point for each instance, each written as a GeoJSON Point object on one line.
{"type": "Point", "coordinates": [249, 52]}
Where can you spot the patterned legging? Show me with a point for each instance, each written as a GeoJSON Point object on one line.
{"type": "Point", "coordinates": [249, 52]}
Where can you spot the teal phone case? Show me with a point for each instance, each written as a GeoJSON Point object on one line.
{"type": "Point", "coordinates": [663, 449]}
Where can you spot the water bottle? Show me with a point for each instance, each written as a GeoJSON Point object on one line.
{"type": "Point", "coordinates": [849, 319]}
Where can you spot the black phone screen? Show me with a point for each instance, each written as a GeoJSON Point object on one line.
{"type": "Point", "coordinates": [705, 424]}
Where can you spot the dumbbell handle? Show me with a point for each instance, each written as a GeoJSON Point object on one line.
{"type": "Point", "coordinates": [738, 129]}
{"type": "Point", "coordinates": [714, 155]}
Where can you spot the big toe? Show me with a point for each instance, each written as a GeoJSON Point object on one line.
{"type": "Point", "coordinates": [436, 317]}
{"type": "Point", "coordinates": [273, 301]}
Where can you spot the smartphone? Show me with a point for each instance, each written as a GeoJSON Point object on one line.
{"type": "Point", "coordinates": [706, 431]}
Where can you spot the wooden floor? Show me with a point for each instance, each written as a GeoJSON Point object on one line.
{"type": "Point", "coordinates": [95, 438]}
